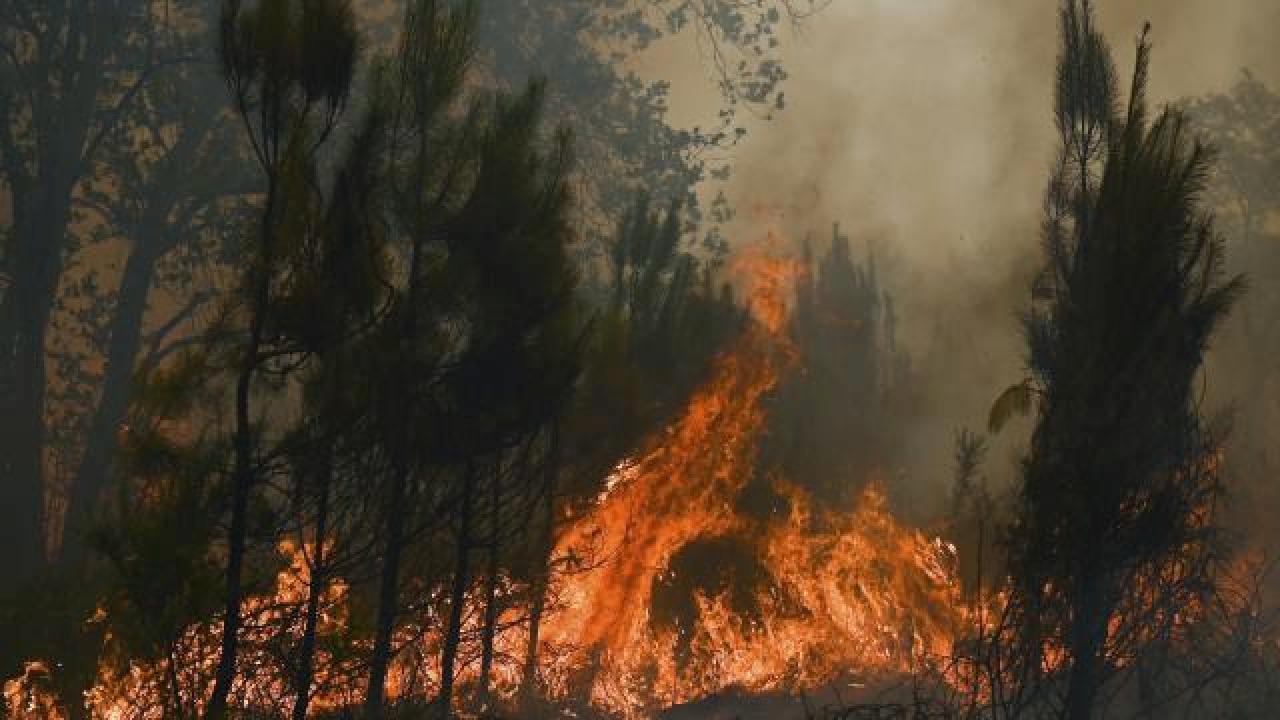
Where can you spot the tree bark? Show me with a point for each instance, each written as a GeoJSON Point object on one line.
{"type": "Point", "coordinates": [542, 579]}
{"type": "Point", "coordinates": [24, 485]}
{"type": "Point", "coordinates": [1088, 633]}
{"type": "Point", "coordinates": [457, 597]}
{"type": "Point", "coordinates": [95, 467]}
{"type": "Point", "coordinates": [28, 304]}
{"type": "Point", "coordinates": [491, 595]}
{"type": "Point", "coordinates": [529, 675]}
{"type": "Point", "coordinates": [243, 474]}
{"type": "Point", "coordinates": [389, 591]}
{"type": "Point", "coordinates": [315, 590]}
{"type": "Point", "coordinates": [388, 598]}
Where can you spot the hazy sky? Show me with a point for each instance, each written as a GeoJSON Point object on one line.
{"type": "Point", "coordinates": [926, 127]}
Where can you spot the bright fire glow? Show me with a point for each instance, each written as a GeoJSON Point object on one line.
{"type": "Point", "coordinates": [830, 592]}
{"type": "Point", "coordinates": [840, 592]}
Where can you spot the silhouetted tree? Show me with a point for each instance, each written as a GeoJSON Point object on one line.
{"type": "Point", "coordinates": [510, 239]}
{"type": "Point", "coordinates": [1244, 127]}
{"type": "Point", "coordinates": [429, 184]}
{"type": "Point", "coordinates": [167, 507]}
{"type": "Point", "coordinates": [1114, 535]}
{"type": "Point", "coordinates": [99, 133]}
{"type": "Point", "coordinates": [170, 183]}
{"type": "Point", "coordinates": [70, 72]}
{"type": "Point", "coordinates": [971, 515]}
{"type": "Point", "coordinates": [843, 336]}
{"type": "Point", "coordinates": [289, 68]}
{"type": "Point", "coordinates": [405, 382]}
{"type": "Point", "coordinates": [625, 141]}
{"type": "Point", "coordinates": [334, 299]}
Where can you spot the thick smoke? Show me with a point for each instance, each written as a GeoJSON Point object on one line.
{"type": "Point", "coordinates": [925, 127]}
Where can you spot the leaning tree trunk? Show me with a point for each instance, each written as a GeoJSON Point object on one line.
{"type": "Point", "coordinates": [101, 443]}
{"type": "Point", "coordinates": [154, 233]}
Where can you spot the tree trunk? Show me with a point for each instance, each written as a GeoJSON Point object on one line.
{"type": "Point", "coordinates": [491, 596]}
{"type": "Point", "coordinates": [315, 591]}
{"type": "Point", "coordinates": [62, 109]}
{"type": "Point", "coordinates": [389, 591]}
{"type": "Point", "coordinates": [39, 231]}
{"type": "Point", "coordinates": [243, 474]}
{"type": "Point", "coordinates": [95, 467]}
{"type": "Point", "coordinates": [24, 491]}
{"type": "Point", "coordinates": [529, 674]}
{"type": "Point", "coordinates": [154, 234]}
{"type": "Point", "coordinates": [542, 578]}
{"type": "Point", "coordinates": [388, 598]}
{"type": "Point", "coordinates": [457, 596]}
{"type": "Point", "coordinates": [242, 480]}
{"type": "Point", "coordinates": [1088, 633]}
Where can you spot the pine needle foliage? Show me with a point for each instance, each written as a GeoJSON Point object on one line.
{"type": "Point", "coordinates": [1115, 535]}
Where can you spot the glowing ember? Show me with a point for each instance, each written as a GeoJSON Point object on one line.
{"type": "Point", "coordinates": [29, 696]}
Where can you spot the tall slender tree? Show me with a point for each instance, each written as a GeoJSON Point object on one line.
{"type": "Point", "coordinates": [334, 301]}
{"type": "Point", "coordinates": [436, 158]}
{"type": "Point", "coordinates": [69, 72]}
{"type": "Point", "coordinates": [510, 243]}
{"type": "Point", "coordinates": [1114, 535]}
{"type": "Point", "coordinates": [169, 187]}
{"type": "Point", "coordinates": [289, 66]}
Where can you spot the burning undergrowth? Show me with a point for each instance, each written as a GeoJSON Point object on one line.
{"type": "Point", "coordinates": [698, 596]}
{"type": "Point", "coordinates": [694, 574]}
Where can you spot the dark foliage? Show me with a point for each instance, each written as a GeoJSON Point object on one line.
{"type": "Point", "coordinates": [1114, 548]}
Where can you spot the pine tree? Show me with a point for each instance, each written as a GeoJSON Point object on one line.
{"type": "Point", "coordinates": [289, 68]}
{"type": "Point", "coordinates": [70, 72]}
{"type": "Point", "coordinates": [1115, 529]}
{"type": "Point", "coordinates": [170, 184]}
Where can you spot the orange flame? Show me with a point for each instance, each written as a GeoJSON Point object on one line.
{"type": "Point", "coordinates": [862, 594]}
{"type": "Point", "coordinates": [839, 592]}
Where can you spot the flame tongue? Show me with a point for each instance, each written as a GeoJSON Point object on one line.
{"type": "Point", "coordinates": [862, 594]}
{"type": "Point", "coordinates": [690, 597]}
{"type": "Point", "coordinates": [681, 490]}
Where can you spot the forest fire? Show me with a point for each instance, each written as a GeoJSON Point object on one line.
{"type": "Point", "coordinates": [800, 598]}
{"type": "Point", "coordinates": [446, 359]}
{"type": "Point", "coordinates": [783, 604]}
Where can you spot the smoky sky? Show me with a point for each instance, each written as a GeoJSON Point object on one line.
{"type": "Point", "coordinates": [925, 127]}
